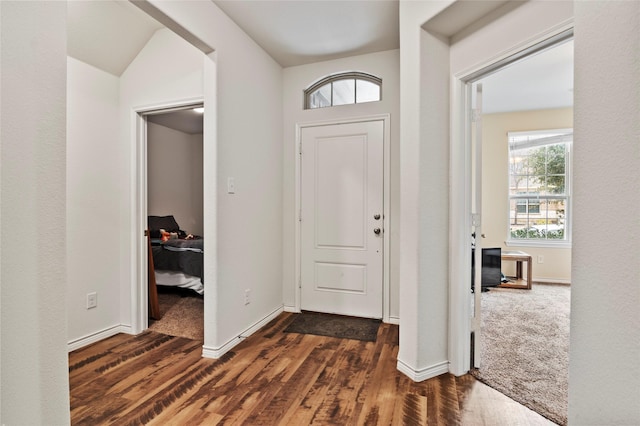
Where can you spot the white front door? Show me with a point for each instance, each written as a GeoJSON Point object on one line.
{"type": "Point", "coordinates": [342, 227]}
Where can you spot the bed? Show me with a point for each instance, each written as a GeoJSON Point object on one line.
{"type": "Point", "coordinates": [177, 256]}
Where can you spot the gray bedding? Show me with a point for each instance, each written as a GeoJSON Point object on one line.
{"type": "Point", "coordinates": [179, 255]}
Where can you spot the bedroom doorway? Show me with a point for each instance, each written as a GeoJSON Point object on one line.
{"type": "Point", "coordinates": [173, 205]}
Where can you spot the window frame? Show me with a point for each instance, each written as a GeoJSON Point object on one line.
{"type": "Point", "coordinates": [565, 136]}
{"type": "Point", "coordinates": [349, 75]}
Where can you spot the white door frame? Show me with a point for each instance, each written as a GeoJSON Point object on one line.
{"type": "Point", "coordinates": [460, 189]}
{"type": "Point", "coordinates": [139, 290]}
{"type": "Point", "coordinates": [386, 119]}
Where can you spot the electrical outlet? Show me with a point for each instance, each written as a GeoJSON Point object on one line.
{"type": "Point", "coordinates": [540, 258]}
{"type": "Point", "coordinates": [92, 300]}
{"type": "Point", "coordinates": [247, 296]}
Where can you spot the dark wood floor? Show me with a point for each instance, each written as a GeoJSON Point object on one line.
{"type": "Point", "coordinates": [273, 378]}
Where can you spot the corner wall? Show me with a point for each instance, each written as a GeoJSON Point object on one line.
{"type": "Point", "coordinates": [93, 200]}
{"type": "Point", "coordinates": [424, 69]}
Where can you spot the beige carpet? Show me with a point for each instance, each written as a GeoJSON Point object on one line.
{"type": "Point", "coordinates": [526, 346]}
{"type": "Point", "coordinates": [182, 315]}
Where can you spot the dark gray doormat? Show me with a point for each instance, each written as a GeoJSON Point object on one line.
{"type": "Point", "coordinates": [342, 327]}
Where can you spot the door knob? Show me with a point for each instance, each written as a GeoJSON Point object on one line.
{"type": "Point", "coordinates": [376, 231]}
{"type": "Point", "coordinates": [376, 216]}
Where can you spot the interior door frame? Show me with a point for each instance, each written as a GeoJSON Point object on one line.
{"type": "Point", "coordinates": [476, 224]}
{"type": "Point", "coordinates": [460, 211]}
{"type": "Point", "coordinates": [139, 299]}
{"type": "Point", "coordinates": [386, 199]}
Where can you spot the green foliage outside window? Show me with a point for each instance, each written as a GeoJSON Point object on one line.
{"type": "Point", "coordinates": [547, 166]}
{"type": "Point", "coordinates": [538, 189]}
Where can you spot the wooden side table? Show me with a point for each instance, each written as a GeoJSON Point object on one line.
{"type": "Point", "coordinates": [518, 257]}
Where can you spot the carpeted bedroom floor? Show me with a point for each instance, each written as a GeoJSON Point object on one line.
{"type": "Point", "coordinates": [182, 314]}
{"type": "Point", "coordinates": [525, 346]}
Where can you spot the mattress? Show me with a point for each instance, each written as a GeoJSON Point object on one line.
{"type": "Point", "coordinates": [179, 279]}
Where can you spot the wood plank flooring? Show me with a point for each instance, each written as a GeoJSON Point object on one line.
{"type": "Point", "coordinates": [273, 378]}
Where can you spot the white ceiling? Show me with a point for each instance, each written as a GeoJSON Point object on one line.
{"type": "Point", "coordinates": [109, 35]}
{"type": "Point", "coordinates": [297, 32]}
{"type": "Point", "coordinates": [302, 32]}
{"type": "Point", "coordinates": [185, 120]}
{"type": "Point", "coordinates": [542, 81]}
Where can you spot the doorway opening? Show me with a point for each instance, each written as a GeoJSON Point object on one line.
{"type": "Point", "coordinates": [520, 141]}
{"type": "Point", "coordinates": [167, 113]}
{"type": "Point", "coordinates": [174, 165]}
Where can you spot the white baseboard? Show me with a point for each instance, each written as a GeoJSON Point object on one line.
{"type": "Point", "coordinates": [550, 281]}
{"type": "Point", "coordinates": [423, 373]}
{"type": "Point", "coordinates": [97, 336]}
{"type": "Point", "coordinates": [394, 320]}
{"type": "Point", "coordinates": [209, 352]}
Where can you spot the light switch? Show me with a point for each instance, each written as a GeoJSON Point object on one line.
{"type": "Point", "coordinates": [231, 185]}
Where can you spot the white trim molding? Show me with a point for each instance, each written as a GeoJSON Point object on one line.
{"type": "Point", "coordinates": [291, 309]}
{"type": "Point", "coordinates": [535, 280]}
{"type": "Point", "coordinates": [210, 352]}
{"type": "Point", "coordinates": [423, 373]}
{"type": "Point", "coordinates": [138, 219]}
{"type": "Point", "coordinates": [98, 336]}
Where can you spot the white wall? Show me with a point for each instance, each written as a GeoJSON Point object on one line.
{"type": "Point", "coordinates": [174, 176]}
{"type": "Point", "coordinates": [34, 386]}
{"type": "Point", "coordinates": [384, 65]}
{"type": "Point", "coordinates": [93, 199]}
{"type": "Point", "coordinates": [495, 187]}
{"type": "Point", "coordinates": [423, 284]}
{"type": "Point", "coordinates": [249, 148]}
{"type": "Point", "coordinates": [604, 373]}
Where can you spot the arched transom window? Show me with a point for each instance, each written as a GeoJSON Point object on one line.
{"type": "Point", "coordinates": [343, 89]}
